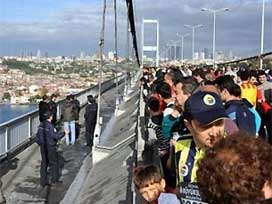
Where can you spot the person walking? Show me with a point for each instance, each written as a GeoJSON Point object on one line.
{"type": "Point", "coordinates": [69, 115]}
{"type": "Point", "coordinates": [90, 120]}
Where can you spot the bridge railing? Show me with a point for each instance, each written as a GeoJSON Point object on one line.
{"type": "Point", "coordinates": [21, 130]}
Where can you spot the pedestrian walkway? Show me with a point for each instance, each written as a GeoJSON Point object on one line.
{"type": "Point", "coordinates": [110, 180]}
{"type": "Point", "coordinates": [20, 175]}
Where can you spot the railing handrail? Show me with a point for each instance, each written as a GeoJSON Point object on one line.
{"type": "Point", "coordinates": [11, 137]}
{"type": "Point", "coordinates": [33, 112]}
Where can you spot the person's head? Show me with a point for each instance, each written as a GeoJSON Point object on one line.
{"type": "Point", "coordinates": [204, 116]}
{"type": "Point", "coordinates": [184, 89]}
{"type": "Point", "coordinates": [172, 75]}
{"type": "Point", "coordinates": [227, 88]}
{"type": "Point", "coordinates": [154, 106]}
{"type": "Point", "coordinates": [236, 170]}
{"type": "Point", "coordinates": [68, 97]}
{"type": "Point", "coordinates": [244, 75]}
{"type": "Point", "coordinates": [72, 96]}
{"type": "Point", "coordinates": [53, 97]}
{"type": "Point", "coordinates": [198, 74]}
{"type": "Point", "coordinates": [91, 99]}
{"type": "Point", "coordinates": [45, 98]}
{"type": "Point", "coordinates": [261, 76]}
{"type": "Point", "coordinates": [149, 182]}
{"type": "Point", "coordinates": [48, 115]}
{"type": "Point", "coordinates": [253, 77]}
{"type": "Point", "coordinates": [160, 75]}
{"type": "Point", "coordinates": [164, 90]}
{"type": "Point", "coordinates": [229, 69]}
{"type": "Point", "coordinates": [218, 72]}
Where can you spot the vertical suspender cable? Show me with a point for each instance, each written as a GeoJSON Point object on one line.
{"type": "Point", "coordinates": [116, 53]}
{"type": "Point", "coordinates": [128, 40]}
{"type": "Point", "coordinates": [133, 28]}
{"type": "Point", "coordinates": [101, 46]}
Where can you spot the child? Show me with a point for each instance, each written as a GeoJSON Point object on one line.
{"type": "Point", "coordinates": [150, 184]}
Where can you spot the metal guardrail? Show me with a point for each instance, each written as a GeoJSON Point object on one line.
{"type": "Point", "coordinates": [20, 130]}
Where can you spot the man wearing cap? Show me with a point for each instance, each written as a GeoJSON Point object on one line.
{"type": "Point", "coordinates": [47, 138]}
{"type": "Point", "coordinates": [204, 116]}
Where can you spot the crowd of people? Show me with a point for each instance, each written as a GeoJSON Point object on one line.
{"type": "Point", "coordinates": [47, 136]}
{"type": "Point", "coordinates": [213, 134]}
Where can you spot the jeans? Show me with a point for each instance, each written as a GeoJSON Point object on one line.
{"type": "Point", "coordinates": [70, 125]}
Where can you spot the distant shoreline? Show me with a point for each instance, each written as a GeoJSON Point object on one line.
{"type": "Point", "coordinates": [16, 104]}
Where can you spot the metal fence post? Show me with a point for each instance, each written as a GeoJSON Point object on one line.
{"type": "Point", "coordinates": [29, 127]}
{"type": "Point", "coordinates": [6, 139]}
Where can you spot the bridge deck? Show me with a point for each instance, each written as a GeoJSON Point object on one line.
{"type": "Point", "coordinates": [20, 176]}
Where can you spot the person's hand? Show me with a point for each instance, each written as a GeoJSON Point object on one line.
{"type": "Point", "coordinates": [172, 142]}
{"type": "Point", "coordinates": [162, 153]}
{"type": "Point", "coordinates": [66, 131]}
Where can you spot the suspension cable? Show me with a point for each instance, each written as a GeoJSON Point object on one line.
{"type": "Point", "coordinates": [116, 49]}
{"type": "Point", "coordinates": [133, 29]}
{"type": "Point", "coordinates": [101, 46]}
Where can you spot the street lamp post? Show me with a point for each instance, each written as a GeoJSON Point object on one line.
{"type": "Point", "coordinates": [174, 43]}
{"type": "Point", "coordinates": [182, 44]}
{"type": "Point", "coordinates": [193, 36]}
{"type": "Point", "coordinates": [214, 21]}
{"type": "Point", "coordinates": [262, 36]}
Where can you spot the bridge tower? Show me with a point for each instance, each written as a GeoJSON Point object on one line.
{"type": "Point", "coordinates": [149, 48]}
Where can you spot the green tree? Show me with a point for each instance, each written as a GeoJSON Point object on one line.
{"type": "Point", "coordinates": [6, 96]}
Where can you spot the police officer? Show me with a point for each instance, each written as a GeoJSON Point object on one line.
{"type": "Point", "coordinates": [90, 120]}
{"type": "Point", "coordinates": [47, 139]}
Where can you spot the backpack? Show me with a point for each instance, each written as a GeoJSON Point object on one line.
{"type": "Point", "coordinates": [39, 137]}
{"type": "Point", "coordinates": [245, 119]}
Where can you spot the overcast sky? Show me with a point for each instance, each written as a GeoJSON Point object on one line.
{"type": "Point", "coordinates": [67, 27]}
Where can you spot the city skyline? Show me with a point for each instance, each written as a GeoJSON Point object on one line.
{"type": "Point", "coordinates": [73, 26]}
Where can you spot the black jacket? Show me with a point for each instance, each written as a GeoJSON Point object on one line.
{"type": "Point", "coordinates": [91, 113]}
{"type": "Point", "coordinates": [43, 107]}
{"type": "Point", "coordinates": [47, 135]}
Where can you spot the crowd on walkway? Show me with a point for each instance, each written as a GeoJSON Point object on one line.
{"type": "Point", "coordinates": [213, 131]}
{"type": "Point", "coordinates": [47, 135]}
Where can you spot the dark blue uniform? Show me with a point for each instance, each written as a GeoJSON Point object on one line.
{"type": "Point", "coordinates": [90, 121]}
{"type": "Point", "coordinates": [47, 138]}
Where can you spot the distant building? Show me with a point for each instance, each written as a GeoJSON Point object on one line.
{"type": "Point", "coordinates": [82, 55]}
{"type": "Point", "coordinates": [201, 55]}
{"type": "Point", "coordinates": [196, 56]}
{"type": "Point", "coordinates": [33, 89]}
{"type": "Point", "coordinates": [38, 53]}
{"type": "Point", "coordinates": [178, 52]}
{"type": "Point", "coordinates": [220, 55]}
{"type": "Point", "coordinates": [111, 55]}
{"type": "Point", "coordinates": [206, 53]}
{"type": "Point", "coordinates": [230, 55]}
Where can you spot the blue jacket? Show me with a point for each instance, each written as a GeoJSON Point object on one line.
{"type": "Point", "coordinates": [239, 112]}
{"type": "Point", "coordinates": [47, 134]}
{"type": "Point", "coordinates": [258, 119]}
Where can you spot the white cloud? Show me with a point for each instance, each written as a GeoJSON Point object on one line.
{"type": "Point", "coordinates": [78, 28]}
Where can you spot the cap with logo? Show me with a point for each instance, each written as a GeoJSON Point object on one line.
{"type": "Point", "coordinates": [205, 107]}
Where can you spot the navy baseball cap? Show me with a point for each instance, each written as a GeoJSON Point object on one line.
{"type": "Point", "coordinates": [205, 107]}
